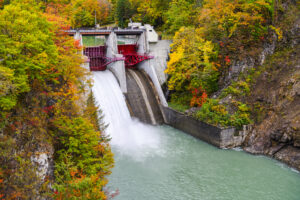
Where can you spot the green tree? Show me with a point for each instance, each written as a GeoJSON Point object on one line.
{"type": "Point", "coordinates": [26, 52]}
{"type": "Point", "coordinates": [122, 12]}
{"type": "Point", "coordinates": [153, 11]}
{"type": "Point", "coordinates": [181, 13]}
{"type": "Point", "coordinates": [191, 62]}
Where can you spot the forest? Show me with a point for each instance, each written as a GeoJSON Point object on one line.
{"type": "Point", "coordinates": [45, 104]}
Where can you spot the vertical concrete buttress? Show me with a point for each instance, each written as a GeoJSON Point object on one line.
{"type": "Point", "coordinates": [85, 64]}
{"type": "Point", "coordinates": [78, 36]}
{"type": "Point", "coordinates": [118, 67]}
{"type": "Point", "coordinates": [148, 67]}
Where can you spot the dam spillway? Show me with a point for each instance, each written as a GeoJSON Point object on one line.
{"type": "Point", "coordinates": [141, 98]}
{"type": "Point", "coordinates": [128, 135]}
{"type": "Point", "coordinates": [159, 162]}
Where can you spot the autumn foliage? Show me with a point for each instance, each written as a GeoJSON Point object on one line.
{"type": "Point", "coordinates": [209, 38]}
{"type": "Point", "coordinates": [42, 90]}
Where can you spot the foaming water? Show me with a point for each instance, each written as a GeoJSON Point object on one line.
{"type": "Point", "coordinates": [129, 136]}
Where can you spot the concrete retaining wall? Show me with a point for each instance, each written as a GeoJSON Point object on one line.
{"type": "Point", "coordinates": [222, 138]}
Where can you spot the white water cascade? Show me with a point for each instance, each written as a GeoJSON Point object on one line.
{"type": "Point", "coordinates": [129, 136]}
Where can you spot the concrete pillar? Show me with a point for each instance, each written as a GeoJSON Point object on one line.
{"type": "Point", "coordinates": [85, 64]}
{"type": "Point", "coordinates": [143, 45]}
{"type": "Point", "coordinates": [118, 67]}
{"type": "Point", "coordinates": [148, 67]}
{"type": "Point", "coordinates": [78, 36]}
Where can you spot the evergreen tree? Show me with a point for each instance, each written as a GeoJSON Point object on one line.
{"type": "Point", "coordinates": [122, 12]}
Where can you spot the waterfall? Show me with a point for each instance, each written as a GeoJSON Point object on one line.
{"type": "Point", "coordinates": [129, 136]}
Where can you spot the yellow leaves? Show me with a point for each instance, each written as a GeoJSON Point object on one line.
{"type": "Point", "coordinates": [262, 3]}
{"type": "Point", "coordinates": [230, 16]}
{"type": "Point", "coordinates": [219, 109]}
{"type": "Point", "coordinates": [278, 32]}
{"type": "Point", "coordinates": [175, 57]}
{"type": "Point", "coordinates": [207, 49]}
{"type": "Point", "coordinates": [191, 55]}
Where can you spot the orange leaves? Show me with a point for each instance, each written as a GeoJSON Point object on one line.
{"type": "Point", "coordinates": [199, 97]}
{"type": "Point", "coordinates": [83, 187]}
{"type": "Point", "coordinates": [77, 45]}
{"type": "Point", "coordinates": [234, 16]}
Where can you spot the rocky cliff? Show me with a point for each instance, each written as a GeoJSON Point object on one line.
{"type": "Point", "coordinates": [276, 101]}
{"type": "Point", "coordinates": [275, 91]}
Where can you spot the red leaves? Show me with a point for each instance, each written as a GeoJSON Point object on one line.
{"type": "Point", "coordinates": [48, 109]}
{"type": "Point", "coordinates": [199, 97]}
{"type": "Point", "coordinates": [116, 193]}
{"type": "Point", "coordinates": [222, 44]}
{"type": "Point", "coordinates": [227, 60]}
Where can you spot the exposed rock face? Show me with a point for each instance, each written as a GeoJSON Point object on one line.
{"type": "Point", "coordinates": [276, 92]}
{"type": "Point", "coordinates": [277, 134]}
{"type": "Point", "coordinates": [289, 155]}
{"type": "Point", "coordinates": [43, 160]}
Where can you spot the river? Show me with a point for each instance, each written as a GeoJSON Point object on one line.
{"type": "Point", "coordinates": [162, 163]}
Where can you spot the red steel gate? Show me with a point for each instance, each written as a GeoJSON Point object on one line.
{"type": "Point", "coordinates": [98, 59]}
{"type": "Point", "coordinates": [132, 58]}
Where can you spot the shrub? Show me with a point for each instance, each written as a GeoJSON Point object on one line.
{"type": "Point", "coordinates": [214, 113]}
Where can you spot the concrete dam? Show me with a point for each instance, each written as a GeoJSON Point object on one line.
{"type": "Point", "coordinates": [138, 60]}
{"type": "Point", "coordinates": [137, 64]}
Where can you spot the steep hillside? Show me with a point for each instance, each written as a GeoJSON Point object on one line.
{"type": "Point", "coordinates": [51, 146]}
{"type": "Point", "coordinates": [273, 96]}
{"type": "Point", "coordinates": [275, 99]}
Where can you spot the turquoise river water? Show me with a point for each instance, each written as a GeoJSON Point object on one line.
{"type": "Point", "coordinates": [181, 167]}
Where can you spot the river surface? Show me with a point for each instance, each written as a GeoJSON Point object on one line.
{"type": "Point", "coordinates": [162, 163]}
{"type": "Point", "coordinates": [180, 167]}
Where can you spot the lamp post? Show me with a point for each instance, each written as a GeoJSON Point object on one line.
{"type": "Point", "coordinates": [95, 18]}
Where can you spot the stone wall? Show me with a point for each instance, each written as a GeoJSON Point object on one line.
{"type": "Point", "coordinates": [219, 137]}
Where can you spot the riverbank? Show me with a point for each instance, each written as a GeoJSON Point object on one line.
{"type": "Point", "coordinates": [228, 137]}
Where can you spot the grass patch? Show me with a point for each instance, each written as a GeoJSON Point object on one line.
{"type": "Point", "coordinates": [178, 107]}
